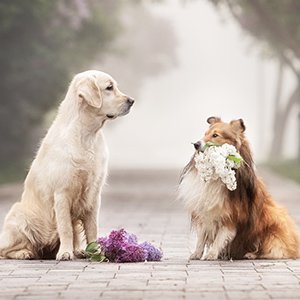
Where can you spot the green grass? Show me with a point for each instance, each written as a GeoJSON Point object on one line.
{"type": "Point", "coordinates": [287, 168]}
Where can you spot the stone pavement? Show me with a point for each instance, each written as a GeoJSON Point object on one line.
{"type": "Point", "coordinates": [144, 203]}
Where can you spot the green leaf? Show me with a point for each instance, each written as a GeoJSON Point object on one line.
{"type": "Point", "coordinates": [236, 159]}
{"type": "Point", "coordinates": [99, 257]}
{"type": "Point", "coordinates": [92, 247]}
{"type": "Point", "coordinates": [93, 251]}
{"type": "Point", "coordinates": [210, 144]}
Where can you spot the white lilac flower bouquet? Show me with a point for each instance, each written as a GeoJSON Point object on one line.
{"type": "Point", "coordinates": [219, 161]}
{"type": "Point", "coordinates": [120, 246]}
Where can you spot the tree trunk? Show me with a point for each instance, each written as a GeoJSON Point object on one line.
{"type": "Point", "coordinates": [280, 124]}
{"type": "Point", "coordinates": [277, 101]}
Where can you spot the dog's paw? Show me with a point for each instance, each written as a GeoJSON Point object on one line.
{"type": "Point", "coordinates": [80, 254]}
{"type": "Point", "coordinates": [64, 255]}
{"type": "Point", "coordinates": [210, 256]}
{"type": "Point", "coordinates": [24, 254]}
{"type": "Point", "coordinates": [250, 255]}
{"type": "Point", "coordinates": [196, 255]}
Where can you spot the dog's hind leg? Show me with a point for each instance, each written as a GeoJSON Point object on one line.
{"type": "Point", "coordinates": [274, 248]}
{"type": "Point", "coordinates": [20, 254]}
{"type": "Point", "coordinates": [250, 255]}
{"type": "Point", "coordinates": [14, 246]}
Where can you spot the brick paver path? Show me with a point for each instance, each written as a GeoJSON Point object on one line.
{"type": "Point", "coordinates": [145, 204]}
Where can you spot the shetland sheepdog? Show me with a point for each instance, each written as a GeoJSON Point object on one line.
{"type": "Point", "coordinates": [244, 223]}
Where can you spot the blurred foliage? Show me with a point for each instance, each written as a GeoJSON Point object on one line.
{"type": "Point", "coordinates": [276, 24]}
{"type": "Point", "coordinates": [146, 47]}
{"type": "Point", "coordinates": [42, 43]}
{"type": "Point", "coordinates": [15, 171]}
{"type": "Point", "coordinates": [287, 168]}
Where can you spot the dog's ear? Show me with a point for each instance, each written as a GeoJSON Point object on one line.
{"type": "Point", "coordinates": [89, 91]}
{"type": "Point", "coordinates": [238, 125]}
{"type": "Point", "coordinates": [213, 120]}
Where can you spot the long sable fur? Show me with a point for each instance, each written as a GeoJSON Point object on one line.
{"type": "Point", "coordinates": [261, 225]}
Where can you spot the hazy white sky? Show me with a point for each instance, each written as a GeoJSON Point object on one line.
{"type": "Point", "coordinates": [217, 74]}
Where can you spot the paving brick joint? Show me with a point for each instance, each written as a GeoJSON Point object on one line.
{"type": "Point", "coordinates": [144, 202]}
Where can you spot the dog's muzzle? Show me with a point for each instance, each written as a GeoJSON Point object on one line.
{"type": "Point", "coordinates": [199, 146]}
{"type": "Point", "coordinates": [130, 101]}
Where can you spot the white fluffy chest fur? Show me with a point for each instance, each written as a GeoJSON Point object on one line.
{"type": "Point", "coordinates": [204, 200]}
{"type": "Point", "coordinates": [63, 164]}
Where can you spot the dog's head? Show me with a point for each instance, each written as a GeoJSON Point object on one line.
{"type": "Point", "coordinates": [99, 91]}
{"type": "Point", "coordinates": [220, 133]}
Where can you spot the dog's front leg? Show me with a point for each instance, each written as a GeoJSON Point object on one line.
{"type": "Point", "coordinates": [78, 239]}
{"type": "Point", "coordinates": [224, 236]}
{"type": "Point", "coordinates": [90, 222]}
{"type": "Point", "coordinates": [201, 240]}
{"type": "Point", "coordinates": [64, 226]}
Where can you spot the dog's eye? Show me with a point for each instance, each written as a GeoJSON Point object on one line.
{"type": "Point", "coordinates": [215, 135]}
{"type": "Point", "coordinates": [110, 87]}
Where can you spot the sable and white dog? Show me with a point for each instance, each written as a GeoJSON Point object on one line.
{"type": "Point", "coordinates": [244, 223]}
{"type": "Point", "coordinates": [63, 187]}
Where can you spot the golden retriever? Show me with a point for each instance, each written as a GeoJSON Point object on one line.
{"type": "Point", "coordinates": [244, 223]}
{"type": "Point", "coordinates": [63, 187]}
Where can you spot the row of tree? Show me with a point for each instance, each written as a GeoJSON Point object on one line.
{"type": "Point", "coordinates": [42, 43]}
{"type": "Point", "coordinates": [276, 25]}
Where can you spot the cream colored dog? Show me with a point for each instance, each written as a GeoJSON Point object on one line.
{"type": "Point", "coordinates": [63, 187]}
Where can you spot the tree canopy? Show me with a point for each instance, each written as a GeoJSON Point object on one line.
{"type": "Point", "coordinates": [276, 25]}
{"type": "Point", "coordinates": [42, 42]}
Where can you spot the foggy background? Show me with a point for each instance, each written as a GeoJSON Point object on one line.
{"type": "Point", "coordinates": [182, 61]}
{"type": "Point", "coordinates": [218, 70]}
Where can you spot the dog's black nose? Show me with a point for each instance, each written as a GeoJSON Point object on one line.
{"type": "Point", "coordinates": [130, 101]}
{"type": "Point", "coordinates": [197, 145]}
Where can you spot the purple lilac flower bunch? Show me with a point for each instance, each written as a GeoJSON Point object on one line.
{"type": "Point", "coordinates": [153, 254]}
{"type": "Point", "coordinates": [121, 246]}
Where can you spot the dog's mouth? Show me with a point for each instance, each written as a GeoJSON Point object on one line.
{"type": "Point", "coordinates": [122, 113]}
{"type": "Point", "coordinates": [111, 116]}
